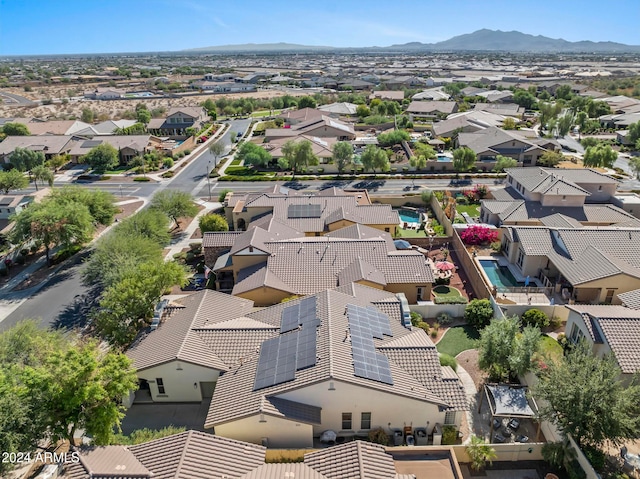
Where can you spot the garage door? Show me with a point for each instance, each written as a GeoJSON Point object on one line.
{"type": "Point", "coordinates": [207, 388]}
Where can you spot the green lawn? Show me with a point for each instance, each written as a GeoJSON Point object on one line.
{"type": "Point", "coordinates": [402, 233]}
{"type": "Point", "coordinates": [471, 210]}
{"type": "Point", "coordinates": [445, 291]}
{"type": "Point", "coordinates": [263, 113]}
{"type": "Point", "coordinates": [118, 171]}
{"type": "Point", "coordinates": [550, 348]}
{"type": "Point", "coordinates": [458, 339]}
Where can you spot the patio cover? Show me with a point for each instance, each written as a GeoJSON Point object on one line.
{"type": "Point", "coordinates": [509, 401]}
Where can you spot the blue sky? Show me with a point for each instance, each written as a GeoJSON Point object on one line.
{"type": "Point", "coordinates": [101, 26]}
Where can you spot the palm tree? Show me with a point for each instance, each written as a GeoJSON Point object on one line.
{"type": "Point", "coordinates": [480, 453]}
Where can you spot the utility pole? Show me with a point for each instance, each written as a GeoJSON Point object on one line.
{"type": "Point", "coordinates": [208, 178]}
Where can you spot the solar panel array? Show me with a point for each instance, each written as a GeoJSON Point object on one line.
{"type": "Point", "coordinates": [293, 350]}
{"type": "Point", "coordinates": [299, 314]}
{"type": "Point", "coordinates": [364, 325]}
{"type": "Point", "coordinates": [304, 211]}
{"type": "Point", "coordinates": [5, 201]}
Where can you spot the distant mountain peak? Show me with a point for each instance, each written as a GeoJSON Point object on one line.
{"type": "Point", "coordinates": [480, 40]}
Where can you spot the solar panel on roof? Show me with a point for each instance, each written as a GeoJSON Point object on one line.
{"type": "Point", "coordinates": [299, 314]}
{"type": "Point", "coordinates": [364, 325]}
{"type": "Point", "coordinates": [306, 350]}
{"type": "Point", "coordinates": [304, 211]}
{"type": "Point", "coordinates": [5, 200]}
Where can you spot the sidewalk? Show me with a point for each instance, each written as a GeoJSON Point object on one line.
{"type": "Point", "coordinates": [178, 244]}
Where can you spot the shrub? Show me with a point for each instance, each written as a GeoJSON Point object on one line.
{"type": "Point", "coordinates": [449, 300]}
{"type": "Point", "coordinates": [416, 318]}
{"type": "Point", "coordinates": [446, 360]}
{"type": "Point", "coordinates": [535, 317]}
{"type": "Point", "coordinates": [449, 435]}
{"type": "Point", "coordinates": [167, 162]}
{"type": "Point", "coordinates": [187, 152]}
{"type": "Point", "coordinates": [596, 457]}
{"type": "Point", "coordinates": [444, 318]}
{"type": "Point", "coordinates": [143, 179]}
{"type": "Point", "coordinates": [424, 326]}
{"type": "Point", "coordinates": [20, 259]}
{"type": "Point", "coordinates": [379, 436]}
{"type": "Point", "coordinates": [496, 246]}
{"type": "Point", "coordinates": [168, 174]}
{"type": "Point", "coordinates": [478, 313]}
{"type": "Point", "coordinates": [477, 235]}
{"type": "Point", "coordinates": [222, 195]}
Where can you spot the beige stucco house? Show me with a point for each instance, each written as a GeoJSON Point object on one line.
{"type": "Point", "coordinates": [585, 265]}
{"type": "Point", "coordinates": [324, 370]}
{"type": "Point", "coordinates": [608, 330]}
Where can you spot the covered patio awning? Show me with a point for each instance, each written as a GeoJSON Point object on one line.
{"type": "Point", "coordinates": [509, 401]}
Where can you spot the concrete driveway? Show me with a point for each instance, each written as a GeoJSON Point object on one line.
{"type": "Point", "coordinates": [158, 416]}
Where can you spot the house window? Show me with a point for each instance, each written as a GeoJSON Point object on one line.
{"type": "Point", "coordinates": [420, 293]}
{"type": "Point", "coordinates": [387, 230]}
{"type": "Point", "coordinates": [576, 333]}
{"type": "Point", "coordinates": [450, 417]}
{"type": "Point", "coordinates": [160, 384]}
{"type": "Point", "coordinates": [365, 420]}
{"type": "Point", "coordinates": [346, 421]}
{"type": "Point", "coordinates": [507, 245]}
{"type": "Point", "coordinates": [609, 297]}
{"type": "Point", "coordinates": [527, 160]}
{"type": "Point", "coordinates": [564, 197]}
{"type": "Point", "coordinates": [520, 259]}
{"type": "Point", "coordinates": [599, 187]}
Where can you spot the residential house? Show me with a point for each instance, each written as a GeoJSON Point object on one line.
{"type": "Point", "coordinates": [50, 145]}
{"type": "Point", "coordinates": [104, 94]}
{"type": "Point", "coordinates": [504, 109]}
{"type": "Point", "coordinates": [293, 117]}
{"type": "Point", "coordinates": [399, 82]}
{"type": "Point", "coordinates": [177, 121]}
{"type": "Point", "coordinates": [542, 196]}
{"type": "Point", "coordinates": [128, 146]}
{"type": "Point", "coordinates": [198, 455]}
{"type": "Point", "coordinates": [321, 127]}
{"type": "Point", "coordinates": [189, 454]}
{"type": "Point", "coordinates": [255, 77]}
{"type": "Point", "coordinates": [339, 109]}
{"type": "Point", "coordinates": [467, 122]}
{"type": "Point", "coordinates": [322, 147]}
{"type": "Point", "coordinates": [107, 127]}
{"type": "Point", "coordinates": [585, 265]}
{"type": "Point", "coordinates": [219, 77]}
{"type": "Point", "coordinates": [393, 95]}
{"type": "Point", "coordinates": [329, 351]}
{"type": "Point", "coordinates": [55, 127]}
{"type": "Point", "coordinates": [13, 204]}
{"type": "Point", "coordinates": [487, 144]}
{"type": "Point", "coordinates": [431, 110]}
{"type": "Point", "coordinates": [608, 330]}
{"type": "Point", "coordinates": [354, 84]}
{"type": "Point", "coordinates": [434, 94]}
{"type": "Point", "coordinates": [223, 87]}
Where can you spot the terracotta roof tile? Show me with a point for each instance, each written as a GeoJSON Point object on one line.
{"type": "Point", "coordinates": [354, 460]}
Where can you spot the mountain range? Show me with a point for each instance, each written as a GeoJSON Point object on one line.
{"type": "Point", "coordinates": [480, 40]}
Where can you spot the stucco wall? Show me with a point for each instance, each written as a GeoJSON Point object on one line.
{"type": "Point", "coordinates": [178, 384]}
{"type": "Point", "coordinates": [557, 200]}
{"type": "Point", "coordinates": [278, 432]}
{"type": "Point", "coordinates": [385, 408]}
{"type": "Point", "coordinates": [265, 296]}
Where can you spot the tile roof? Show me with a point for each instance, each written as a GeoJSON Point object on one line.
{"type": "Point", "coordinates": [177, 339]}
{"type": "Point", "coordinates": [360, 270]}
{"type": "Point", "coordinates": [531, 177]}
{"type": "Point", "coordinates": [308, 265]}
{"type": "Point", "coordinates": [235, 397]}
{"type": "Point", "coordinates": [520, 210]}
{"type": "Point", "coordinates": [427, 106]}
{"type": "Point", "coordinates": [353, 460]}
{"type": "Point", "coordinates": [585, 254]}
{"type": "Point", "coordinates": [631, 299]}
{"type": "Point", "coordinates": [197, 455]}
{"type": "Point", "coordinates": [284, 471]}
{"type": "Point", "coordinates": [220, 239]}
{"type": "Point", "coordinates": [617, 326]}
{"type": "Point", "coordinates": [51, 144]}
{"type": "Point", "coordinates": [485, 140]}
{"type": "Point", "coordinates": [360, 231]}
{"type": "Point", "coordinates": [334, 206]}
{"type": "Point", "coordinates": [559, 220]}
{"type": "Point", "coordinates": [112, 461]}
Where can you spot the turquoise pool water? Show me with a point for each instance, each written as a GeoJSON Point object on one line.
{"type": "Point", "coordinates": [443, 158]}
{"type": "Point", "coordinates": [408, 216]}
{"type": "Point", "coordinates": [499, 276]}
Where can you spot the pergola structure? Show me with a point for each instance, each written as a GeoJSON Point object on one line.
{"type": "Point", "coordinates": [509, 401]}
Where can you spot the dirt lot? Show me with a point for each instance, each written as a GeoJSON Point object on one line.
{"type": "Point", "coordinates": [108, 109]}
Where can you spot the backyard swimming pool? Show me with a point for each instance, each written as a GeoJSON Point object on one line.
{"type": "Point", "coordinates": [500, 276]}
{"type": "Point", "coordinates": [409, 216]}
{"type": "Point", "coordinates": [444, 158]}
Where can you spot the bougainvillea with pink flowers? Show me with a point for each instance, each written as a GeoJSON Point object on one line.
{"type": "Point", "coordinates": [476, 235]}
